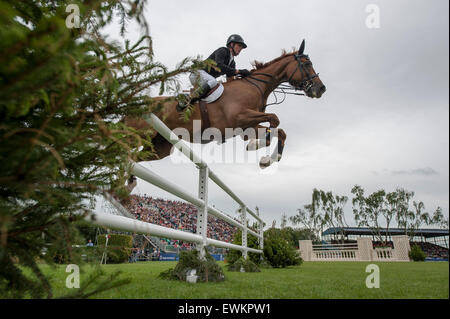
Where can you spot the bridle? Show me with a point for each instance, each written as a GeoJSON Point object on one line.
{"type": "Point", "coordinates": [304, 85]}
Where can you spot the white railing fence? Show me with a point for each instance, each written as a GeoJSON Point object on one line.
{"type": "Point", "coordinates": [201, 201]}
{"type": "Point", "coordinates": [335, 252]}
{"type": "Point", "coordinates": [362, 250]}
{"type": "Point", "coordinates": [383, 254]}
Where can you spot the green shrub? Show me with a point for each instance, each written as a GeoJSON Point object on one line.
{"type": "Point", "coordinates": [234, 255]}
{"type": "Point", "coordinates": [278, 252]}
{"type": "Point", "coordinates": [246, 264]}
{"type": "Point", "coordinates": [207, 270]}
{"type": "Point", "coordinates": [416, 253]}
{"type": "Point", "coordinates": [118, 249]}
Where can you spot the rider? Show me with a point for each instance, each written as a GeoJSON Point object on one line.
{"type": "Point", "coordinates": [204, 80]}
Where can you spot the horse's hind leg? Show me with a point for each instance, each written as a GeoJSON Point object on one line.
{"type": "Point", "coordinates": [161, 149]}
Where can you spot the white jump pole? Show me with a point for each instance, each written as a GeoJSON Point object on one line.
{"type": "Point", "coordinates": [153, 178]}
{"type": "Point", "coordinates": [140, 227]}
{"type": "Point", "coordinates": [181, 145]}
{"type": "Point", "coordinates": [135, 226]}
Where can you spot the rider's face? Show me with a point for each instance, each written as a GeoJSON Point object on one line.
{"type": "Point", "coordinates": [237, 47]}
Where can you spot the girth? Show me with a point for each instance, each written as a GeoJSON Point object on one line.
{"type": "Point", "coordinates": [204, 109]}
{"type": "Point", "coordinates": [204, 115]}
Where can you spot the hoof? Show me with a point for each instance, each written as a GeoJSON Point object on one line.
{"type": "Point", "coordinates": [265, 161]}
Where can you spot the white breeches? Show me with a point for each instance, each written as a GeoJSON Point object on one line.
{"type": "Point", "coordinates": [201, 77]}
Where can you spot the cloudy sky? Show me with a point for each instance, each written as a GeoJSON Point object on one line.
{"type": "Point", "coordinates": [382, 124]}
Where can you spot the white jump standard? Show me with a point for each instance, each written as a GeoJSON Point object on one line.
{"type": "Point", "coordinates": [205, 173]}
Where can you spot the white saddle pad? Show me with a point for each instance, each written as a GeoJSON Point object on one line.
{"type": "Point", "coordinates": [214, 95]}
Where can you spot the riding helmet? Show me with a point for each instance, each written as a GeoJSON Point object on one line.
{"type": "Point", "coordinates": [237, 39]}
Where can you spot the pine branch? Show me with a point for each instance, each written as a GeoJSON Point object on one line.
{"type": "Point", "coordinates": [63, 95]}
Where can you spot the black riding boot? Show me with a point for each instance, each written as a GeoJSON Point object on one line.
{"type": "Point", "coordinates": [194, 98]}
{"type": "Point", "coordinates": [182, 104]}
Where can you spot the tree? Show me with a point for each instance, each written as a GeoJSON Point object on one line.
{"type": "Point", "coordinates": [308, 217]}
{"type": "Point", "coordinates": [283, 221]}
{"type": "Point", "coordinates": [359, 206]}
{"type": "Point", "coordinates": [368, 210]}
{"type": "Point", "coordinates": [394, 205]}
{"type": "Point", "coordinates": [375, 207]}
{"type": "Point", "coordinates": [331, 208]}
{"type": "Point", "coordinates": [419, 218]}
{"type": "Point", "coordinates": [63, 94]}
{"type": "Point", "coordinates": [404, 216]}
{"type": "Point", "coordinates": [390, 210]}
{"type": "Point", "coordinates": [438, 219]}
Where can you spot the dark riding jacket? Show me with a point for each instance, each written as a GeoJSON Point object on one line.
{"type": "Point", "coordinates": [222, 57]}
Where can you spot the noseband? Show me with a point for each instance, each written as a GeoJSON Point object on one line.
{"type": "Point", "coordinates": [306, 83]}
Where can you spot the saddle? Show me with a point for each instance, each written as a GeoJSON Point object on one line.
{"type": "Point", "coordinates": [213, 95]}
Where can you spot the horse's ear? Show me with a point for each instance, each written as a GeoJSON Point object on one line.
{"type": "Point", "coordinates": [302, 47]}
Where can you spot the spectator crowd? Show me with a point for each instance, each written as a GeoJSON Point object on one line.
{"type": "Point", "coordinates": [177, 215]}
{"type": "Point", "coordinates": [432, 250]}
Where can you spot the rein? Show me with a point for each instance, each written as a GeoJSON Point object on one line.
{"type": "Point", "coordinates": [285, 89]}
{"type": "Point", "coordinates": [263, 107]}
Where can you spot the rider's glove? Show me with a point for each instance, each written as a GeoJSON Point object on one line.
{"type": "Point", "coordinates": [244, 72]}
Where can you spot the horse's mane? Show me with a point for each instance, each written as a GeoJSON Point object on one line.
{"type": "Point", "coordinates": [259, 65]}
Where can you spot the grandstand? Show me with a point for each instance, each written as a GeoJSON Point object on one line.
{"type": "Point", "coordinates": [434, 242]}
{"type": "Point", "coordinates": [171, 214]}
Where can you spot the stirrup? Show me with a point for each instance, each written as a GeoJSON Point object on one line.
{"type": "Point", "coordinates": [183, 103]}
{"type": "Point", "coordinates": [181, 107]}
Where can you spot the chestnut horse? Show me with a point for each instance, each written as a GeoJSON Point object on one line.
{"type": "Point", "coordinates": [242, 104]}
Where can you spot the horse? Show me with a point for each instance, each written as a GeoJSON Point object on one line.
{"type": "Point", "coordinates": [242, 105]}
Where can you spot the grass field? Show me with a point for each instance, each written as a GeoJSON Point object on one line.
{"type": "Point", "coordinates": [322, 280]}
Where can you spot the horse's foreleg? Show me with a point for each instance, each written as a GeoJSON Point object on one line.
{"type": "Point", "coordinates": [266, 161]}
{"type": "Point", "coordinates": [251, 118]}
{"type": "Point", "coordinates": [263, 139]}
{"type": "Point", "coordinates": [281, 141]}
